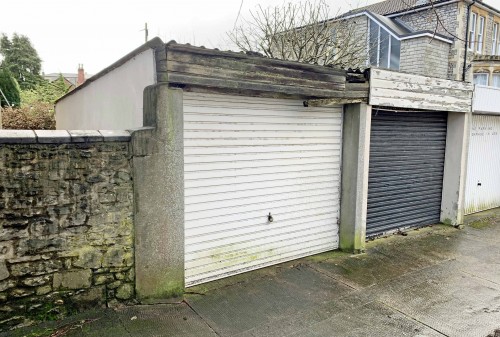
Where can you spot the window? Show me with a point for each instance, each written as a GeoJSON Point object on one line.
{"type": "Point", "coordinates": [480, 33]}
{"type": "Point", "coordinates": [472, 30]}
{"type": "Point", "coordinates": [481, 79]}
{"type": "Point", "coordinates": [496, 80]}
{"type": "Point", "coordinates": [385, 49]}
{"type": "Point", "coordinates": [495, 48]}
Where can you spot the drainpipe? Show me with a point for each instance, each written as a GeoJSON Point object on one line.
{"type": "Point", "coordinates": [467, 39]}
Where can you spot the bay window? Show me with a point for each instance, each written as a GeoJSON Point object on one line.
{"type": "Point", "coordinates": [496, 80]}
{"type": "Point", "coordinates": [480, 78]}
{"type": "Point", "coordinates": [384, 49]}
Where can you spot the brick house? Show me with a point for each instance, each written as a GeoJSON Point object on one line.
{"type": "Point", "coordinates": [432, 38]}
{"type": "Point", "coordinates": [72, 80]}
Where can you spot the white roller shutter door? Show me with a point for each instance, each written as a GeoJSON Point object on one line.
{"type": "Point", "coordinates": [247, 157]}
{"type": "Point", "coordinates": [482, 190]}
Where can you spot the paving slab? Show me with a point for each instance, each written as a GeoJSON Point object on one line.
{"type": "Point", "coordinates": [449, 301]}
{"type": "Point", "coordinates": [99, 322]}
{"type": "Point", "coordinates": [164, 320]}
{"type": "Point", "coordinates": [395, 257]}
{"type": "Point", "coordinates": [244, 306]}
{"type": "Point", "coordinates": [373, 319]}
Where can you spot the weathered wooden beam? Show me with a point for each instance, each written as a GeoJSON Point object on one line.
{"type": "Point", "coordinates": [402, 90]}
{"type": "Point", "coordinates": [161, 64]}
{"type": "Point", "coordinates": [334, 101]}
{"type": "Point", "coordinates": [259, 65]}
{"type": "Point", "coordinates": [238, 92]}
{"type": "Point", "coordinates": [184, 79]}
{"type": "Point", "coordinates": [209, 70]}
{"type": "Point", "coordinates": [242, 57]}
{"type": "Point", "coordinates": [246, 75]}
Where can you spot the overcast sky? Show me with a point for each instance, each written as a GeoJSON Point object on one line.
{"type": "Point", "coordinates": [96, 33]}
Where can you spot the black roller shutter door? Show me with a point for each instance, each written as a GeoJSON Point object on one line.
{"type": "Point", "coordinates": [406, 169]}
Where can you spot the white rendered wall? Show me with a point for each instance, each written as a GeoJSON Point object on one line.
{"type": "Point", "coordinates": [111, 102]}
{"type": "Point", "coordinates": [486, 100]}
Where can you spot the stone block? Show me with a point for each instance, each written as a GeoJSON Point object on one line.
{"type": "Point", "coordinates": [114, 257]}
{"type": "Point", "coordinates": [6, 250]}
{"type": "Point", "coordinates": [4, 272]}
{"type": "Point", "coordinates": [4, 285]}
{"type": "Point", "coordinates": [94, 296]}
{"type": "Point", "coordinates": [103, 279]}
{"type": "Point", "coordinates": [43, 290]}
{"type": "Point", "coordinates": [42, 245]}
{"type": "Point", "coordinates": [80, 279]}
{"type": "Point", "coordinates": [35, 268]}
{"type": "Point", "coordinates": [114, 285]}
{"type": "Point", "coordinates": [21, 292]}
{"type": "Point", "coordinates": [89, 257]}
{"type": "Point", "coordinates": [78, 219]}
{"type": "Point", "coordinates": [36, 281]}
{"type": "Point", "coordinates": [125, 291]}
{"type": "Point", "coordinates": [131, 275]}
{"type": "Point", "coordinates": [107, 198]}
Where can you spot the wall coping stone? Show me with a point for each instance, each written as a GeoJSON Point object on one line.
{"type": "Point", "coordinates": [62, 136]}
{"type": "Point", "coordinates": [52, 136]}
{"type": "Point", "coordinates": [85, 136]}
{"type": "Point", "coordinates": [17, 136]}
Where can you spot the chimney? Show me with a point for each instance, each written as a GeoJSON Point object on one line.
{"type": "Point", "coordinates": [81, 75]}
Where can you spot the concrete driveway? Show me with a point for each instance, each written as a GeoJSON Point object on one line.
{"type": "Point", "coordinates": [437, 281]}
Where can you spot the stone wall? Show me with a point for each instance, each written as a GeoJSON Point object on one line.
{"type": "Point", "coordinates": [428, 20]}
{"type": "Point", "coordinates": [66, 223]}
{"type": "Point", "coordinates": [425, 56]}
{"type": "Point", "coordinates": [451, 24]}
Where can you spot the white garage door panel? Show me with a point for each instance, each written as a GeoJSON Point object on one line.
{"type": "Point", "coordinates": [248, 218]}
{"type": "Point", "coordinates": [233, 214]}
{"type": "Point", "coordinates": [301, 176]}
{"type": "Point", "coordinates": [255, 225]}
{"type": "Point", "coordinates": [238, 206]}
{"type": "Point", "coordinates": [259, 229]}
{"type": "Point", "coordinates": [255, 195]}
{"type": "Point", "coordinates": [246, 157]}
{"type": "Point", "coordinates": [244, 255]}
{"type": "Point", "coordinates": [483, 171]}
{"type": "Point", "coordinates": [261, 262]}
{"type": "Point", "coordinates": [279, 235]}
{"type": "Point", "coordinates": [258, 149]}
{"type": "Point", "coordinates": [312, 168]}
{"type": "Point", "coordinates": [264, 185]}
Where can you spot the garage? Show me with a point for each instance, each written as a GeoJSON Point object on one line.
{"type": "Point", "coordinates": [483, 165]}
{"type": "Point", "coordinates": [407, 156]}
{"type": "Point", "coordinates": [262, 179]}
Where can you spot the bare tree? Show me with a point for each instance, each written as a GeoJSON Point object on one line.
{"type": "Point", "coordinates": [302, 32]}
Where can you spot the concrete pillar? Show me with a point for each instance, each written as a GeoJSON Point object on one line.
{"type": "Point", "coordinates": [455, 168]}
{"type": "Point", "coordinates": [158, 164]}
{"type": "Point", "coordinates": [355, 159]}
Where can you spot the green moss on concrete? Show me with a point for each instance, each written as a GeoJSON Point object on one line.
{"type": "Point", "coordinates": [353, 244]}
{"type": "Point", "coordinates": [170, 288]}
{"type": "Point", "coordinates": [327, 256]}
{"type": "Point", "coordinates": [480, 224]}
{"type": "Point", "coordinates": [447, 222]}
